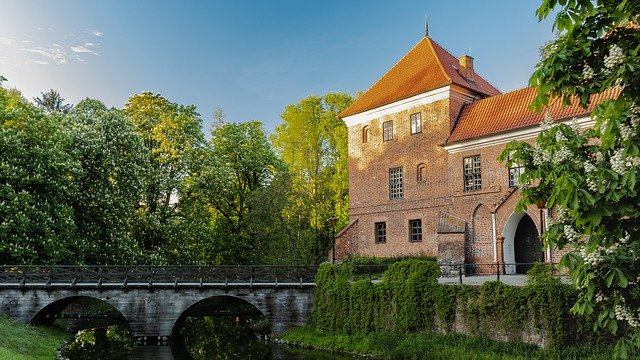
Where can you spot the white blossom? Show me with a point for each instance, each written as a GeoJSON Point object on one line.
{"type": "Point", "coordinates": [571, 233]}
{"type": "Point", "coordinates": [627, 132]}
{"type": "Point", "coordinates": [615, 57]}
{"type": "Point", "coordinates": [588, 73]}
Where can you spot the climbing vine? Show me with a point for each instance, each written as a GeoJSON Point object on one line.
{"type": "Point", "coordinates": [409, 299]}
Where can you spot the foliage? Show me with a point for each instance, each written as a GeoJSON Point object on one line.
{"type": "Point", "coordinates": [52, 102]}
{"type": "Point", "coordinates": [110, 183]}
{"type": "Point", "coordinates": [428, 345]}
{"type": "Point", "coordinates": [590, 177]}
{"type": "Point", "coordinates": [171, 134]}
{"type": "Point", "coordinates": [312, 141]}
{"type": "Point", "coordinates": [108, 343]}
{"type": "Point", "coordinates": [36, 181]}
{"type": "Point", "coordinates": [410, 300]}
{"type": "Point", "coordinates": [238, 164]}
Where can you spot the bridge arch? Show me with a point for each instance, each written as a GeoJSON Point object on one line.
{"type": "Point", "coordinates": [56, 305]}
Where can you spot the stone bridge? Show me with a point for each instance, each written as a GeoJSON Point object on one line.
{"type": "Point", "coordinates": [155, 300]}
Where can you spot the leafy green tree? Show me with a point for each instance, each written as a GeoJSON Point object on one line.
{"type": "Point", "coordinates": [312, 140]}
{"type": "Point", "coordinates": [36, 181]}
{"type": "Point", "coordinates": [591, 177]}
{"type": "Point", "coordinates": [51, 101]}
{"type": "Point", "coordinates": [171, 133]}
{"type": "Point", "coordinates": [111, 182]}
{"type": "Point", "coordinates": [237, 163]}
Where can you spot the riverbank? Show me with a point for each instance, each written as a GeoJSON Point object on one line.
{"type": "Point", "coordinates": [25, 342]}
{"type": "Point", "coordinates": [428, 345]}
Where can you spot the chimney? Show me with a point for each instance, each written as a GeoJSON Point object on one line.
{"type": "Point", "coordinates": [466, 66]}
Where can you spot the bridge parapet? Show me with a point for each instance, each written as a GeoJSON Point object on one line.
{"type": "Point", "coordinates": [259, 276]}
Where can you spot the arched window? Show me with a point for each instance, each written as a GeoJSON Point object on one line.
{"type": "Point", "coordinates": [421, 172]}
{"type": "Point", "coordinates": [365, 134]}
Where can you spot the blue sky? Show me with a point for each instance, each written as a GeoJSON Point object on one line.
{"type": "Point", "coordinates": [250, 58]}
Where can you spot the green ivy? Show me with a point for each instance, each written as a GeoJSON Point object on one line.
{"type": "Point", "coordinates": [409, 300]}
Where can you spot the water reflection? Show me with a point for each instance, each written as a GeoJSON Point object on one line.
{"type": "Point", "coordinates": [200, 338]}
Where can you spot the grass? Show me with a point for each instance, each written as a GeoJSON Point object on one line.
{"type": "Point", "coordinates": [25, 342]}
{"type": "Point", "coordinates": [441, 346]}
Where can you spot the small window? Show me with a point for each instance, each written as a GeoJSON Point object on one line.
{"type": "Point", "coordinates": [365, 134]}
{"type": "Point", "coordinates": [395, 183]}
{"type": "Point", "coordinates": [472, 173]}
{"type": "Point", "coordinates": [381, 232]}
{"type": "Point", "coordinates": [515, 171]}
{"type": "Point", "coordinates": [387, 130]}
{"type": "Point", "coordinates": [416, 123]}
{"type": "Point", "coordinates": [415, 230]}
{"type": "Point", "coordinates": [422, 172]}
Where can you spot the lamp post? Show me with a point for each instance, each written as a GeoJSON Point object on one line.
{"type": "Point", "coordinates": [333, 222]}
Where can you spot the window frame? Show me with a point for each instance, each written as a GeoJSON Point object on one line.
{"type": "Point", "coordinates": [387, 133]}
{"type": "Point", "coordinates": [472, 173]}
{"type": "Point", "coordinates": [380, 232]}
{"type": "Point", "coordinates": [415, 230]}
{"type": "Point", "coordinates": [514, 181]}
{"type": "Point", "coordinates": [396, 183]}
{"type": "Point", "coordinates": [417, 116]}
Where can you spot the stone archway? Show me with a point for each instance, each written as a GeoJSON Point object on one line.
{"type": "Point", "coordinates": [521, 243]}
{"type": "Point", "coordinates": [88, 310]}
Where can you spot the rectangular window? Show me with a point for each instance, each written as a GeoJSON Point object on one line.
{"type": "Point", "coordinates": [387, 130]}
{"type": "Point", "coordinates": [472, 174]}
{"type": "Point", "coordinates": [395, 183]}
{"type": "Point", "coordinates": [416, 123]}
{"type": "Point", "coordinates": [515, 170]}
{"type": "Point", "coordinates": [415, 228]}
{"type": "Point", "coordinates": [381, 232]}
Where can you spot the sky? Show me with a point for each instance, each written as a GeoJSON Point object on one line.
{"type": "Point", "coordinates": [251, 58]}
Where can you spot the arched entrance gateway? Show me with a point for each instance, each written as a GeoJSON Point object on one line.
{"type": "Point", "coordinates": [522, 243]}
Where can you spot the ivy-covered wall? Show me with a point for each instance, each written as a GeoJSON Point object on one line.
{"type": "Point", "coordinates": [409, 299]}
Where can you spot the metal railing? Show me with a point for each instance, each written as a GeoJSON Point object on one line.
{"type": "Point", "coordinates": [25, 276]}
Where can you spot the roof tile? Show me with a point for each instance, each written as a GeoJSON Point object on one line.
{"type": "Point", "coordinates": [425, 67]}
{"type": "Point", "coordinates": [510, 111]}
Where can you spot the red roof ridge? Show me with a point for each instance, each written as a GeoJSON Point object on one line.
{"type": "Point", "coordinates": [433, 50]}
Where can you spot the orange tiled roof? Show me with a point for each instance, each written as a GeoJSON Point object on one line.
{"type": "Point", "coordinates": [510, 111]}
{"type": "Point", "coordinates": [425, 67]}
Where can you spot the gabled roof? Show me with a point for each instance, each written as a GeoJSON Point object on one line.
{"type": "Point", "coordinates": [510, 111]}
{"type": "Point", "coordinates": [425, 67]}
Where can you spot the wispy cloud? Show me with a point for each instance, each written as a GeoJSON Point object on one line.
{"type": "Point", "coordinates": [56, 54]}
{"type": "Point", "coordinates": [82, 49]}
{"type": "Point", "coordinates": [48, 47]}
{"type": "Point", "coordinates": [7, 41]}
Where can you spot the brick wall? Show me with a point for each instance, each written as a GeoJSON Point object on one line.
{"type": "Point", "coordinates": [441, 190]}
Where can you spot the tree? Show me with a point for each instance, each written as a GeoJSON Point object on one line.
{"type": "Point", "coordinates": [36, 181]}
{"type": "Point", "coordinates": [51, 101]}
{"type": "Point", "coordinates": [171, 133]}
{"type": "Point", "coordinates": [312, 140]}
{"type": "Point", "coordinates": [591, 177]}
{"type": "Point", "coordinates": [110, 184]}
{"type": "Point", "coordinates": [237, 163]}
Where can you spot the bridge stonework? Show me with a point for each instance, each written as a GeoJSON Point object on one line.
{"type": "Point", "coordinates": [154, 312]}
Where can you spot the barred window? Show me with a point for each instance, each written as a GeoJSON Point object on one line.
{"type": "Point", "coordinates": [387, 130]}
{"type": "Point", "coordinates": [472, 174]}
{"type": "Point", "coordinates": [416, 123]}
{"type": "Point", "coordinates": [415, 228]}
{"type": "Point", "coordinates": [395, 183]}
{"type": "Point", "coordinates": [381, 232]}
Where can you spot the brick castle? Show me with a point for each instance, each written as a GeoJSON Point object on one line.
{"type": "Point", "coordinates": [423, 174]}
